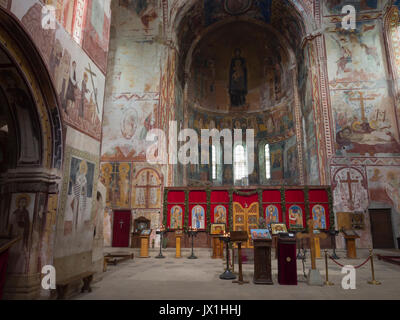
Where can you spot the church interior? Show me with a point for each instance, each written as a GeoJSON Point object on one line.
{"type": "Point", "coordinates": [310, 89]}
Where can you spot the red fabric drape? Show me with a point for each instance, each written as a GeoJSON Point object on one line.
{"type": "Point", "coordinates": [219, 196]}
{"type": "Point", "coordinates": [318, 195]}
{"type": "Point", "coordinates": [243, 200]}
{"type": "Point", "coordinates": [272, 196]}
{"type": "Point", "coordinates": [294, 196]}
{"type": "Point", "coordinates": [197, 197]}
{"type": "Point", "coordinates": [176, 197]}
{"type": "Point", "coordinates": [3, 270]}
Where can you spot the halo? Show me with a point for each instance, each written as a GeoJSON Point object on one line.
{"type": "Point", "coordinates": [23, 196]}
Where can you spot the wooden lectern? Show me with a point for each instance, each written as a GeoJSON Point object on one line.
{"type": "Point", "coordinates": [144, 244]}
{"type": "Point", "coordinates": [317, 244]}
{"type": "Point", "coordinates": [239, 237]}
{"type": "Point", "coordinates": [351, 236]}
{"type": "Point", "coordinates": [217, 247]}
{"type": "Point", "coordinates": [262, 261]}
{"type": "Point", "coordinates": [178, 243]}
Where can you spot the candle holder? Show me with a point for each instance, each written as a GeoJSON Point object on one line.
{"type": "Point", "coordinates": [300, 256]}
{"type": "Point", "coordinates": [161, 233]}
{"type": "Point", "coordinates": [227, 275]}
{"type": "Point", "coordinates": [192, 233]}
{"type": "Point", "coordinates": [334, 234]}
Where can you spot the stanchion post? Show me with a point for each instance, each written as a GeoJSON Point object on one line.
{"type": "Point", "coordinates": [373, 281]}
{"type": "Point", "coordinates": [327, 282]}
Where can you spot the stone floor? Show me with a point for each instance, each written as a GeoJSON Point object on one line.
{"type": "Point", "coordinates": [184, 279]}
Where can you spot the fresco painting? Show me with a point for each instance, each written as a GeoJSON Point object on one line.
{"type": "Point", "coordinates": [97, 32]}
{"type": "Point", "coordinates": [125, 131]}
{"type": "Point", "coordinates": [77, 80]}
{"type": "Point", "coordinates": [21, 217]}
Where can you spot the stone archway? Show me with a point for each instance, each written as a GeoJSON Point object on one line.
{"type": "Point", "coordinates": [30, 176]}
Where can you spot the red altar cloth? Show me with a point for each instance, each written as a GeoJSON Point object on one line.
{"type": "Point", "coordinates": [3, 270]}
{"type": "Point", "coordinates": [287, 262]}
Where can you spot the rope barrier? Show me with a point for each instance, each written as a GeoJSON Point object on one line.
{"type": "Point", "coordinates": [356, 267]}
{"type": "Point", "coordinates": [370, 258]}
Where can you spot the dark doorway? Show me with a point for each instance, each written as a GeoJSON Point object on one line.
{"type": "Point", "coordinates": [121, 229]}
{"type": "Point", "coordinates": [381, 228]}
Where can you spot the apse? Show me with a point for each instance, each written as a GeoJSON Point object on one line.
{"type": "Point", "coordinates": [239, 71]}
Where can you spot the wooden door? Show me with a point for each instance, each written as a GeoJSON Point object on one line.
{"type": "Point", "coordinates": [121, 229]}
{"type": "Point", "coordinates": [381, 228]}
{"type": "Point", "coordinates": [245, 219]}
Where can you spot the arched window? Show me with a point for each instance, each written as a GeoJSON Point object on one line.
{"type": "Point", "coordinates": [240, 163]}
{"type": "Point", "coordinates": [214, 162]}
{"type": "Point", "coordinates": [267, 162]}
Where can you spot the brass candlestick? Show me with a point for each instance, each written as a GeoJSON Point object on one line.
{"type": "Point", "coordinates": [327, 282]}
{"type": "Point", "coordinates": [373, 281]}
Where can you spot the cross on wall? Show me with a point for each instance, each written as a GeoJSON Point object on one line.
{"type": "Point", "coordinates": [349, 181]}
{"type": "Point", "coordinates": [362, 99]}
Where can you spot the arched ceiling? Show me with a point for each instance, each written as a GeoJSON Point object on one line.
{"type": "Point", "coordinates": [197, 16]}
{"type": "Point", "coordinates": [266, 61]}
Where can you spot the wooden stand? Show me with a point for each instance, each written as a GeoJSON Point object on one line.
{"type": "Point", "coordinates": [317, 245]}
{"type": "Point", "coordinates": [239, 237]}
{"type": "Point", "coordinates": [314, 277]}
{"type": "Point", "coordinates": [262, 261]}
{"type": "Point", "coordinates": [178, 242]}
{"type": "Point", "coordinates": [144, 246]}
{"type": "Point", "coordinates": [351, 246]}
{"type": "Point", "coordinates": [275, 244]}
{"type": "Point", "coordinates": [240, 281]}
{"type": "Point", "coordinates": [217, 248]}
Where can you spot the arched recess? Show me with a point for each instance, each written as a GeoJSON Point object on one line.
{"type": "Point", "coordinates": [290, 48]}
{"type": "Point", "coordinates": [30, 178]}
{"type": "Point", "coordinates": [22, 52]}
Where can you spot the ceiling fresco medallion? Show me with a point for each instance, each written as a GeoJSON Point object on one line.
{"type": "Point", "coordinates": [236, 7]}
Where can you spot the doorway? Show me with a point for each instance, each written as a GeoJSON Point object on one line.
{"type": "Point", "coordinates": [121, 229]}
{"type": "Point", "coordinates": [381, 228]}
{"type": "Point", "coordinates": [245, 219]}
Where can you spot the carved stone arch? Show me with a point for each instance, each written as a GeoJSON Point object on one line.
{"type": "Point", "coordinates": [181, 12]}
{"type": "Point", "coordinates": [35, 174]}
{"type": "Point", "coordinates": [24, 54]}
{"type": "Point", "coordinates": [286, 47]}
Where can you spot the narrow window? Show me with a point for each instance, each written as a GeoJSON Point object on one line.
{"type": "Point", "coordinates": [240, 163]}
{"type": "Point", "coordinates": [214, 162]}
{"type": "Point", "coordinates": [267, 162]}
